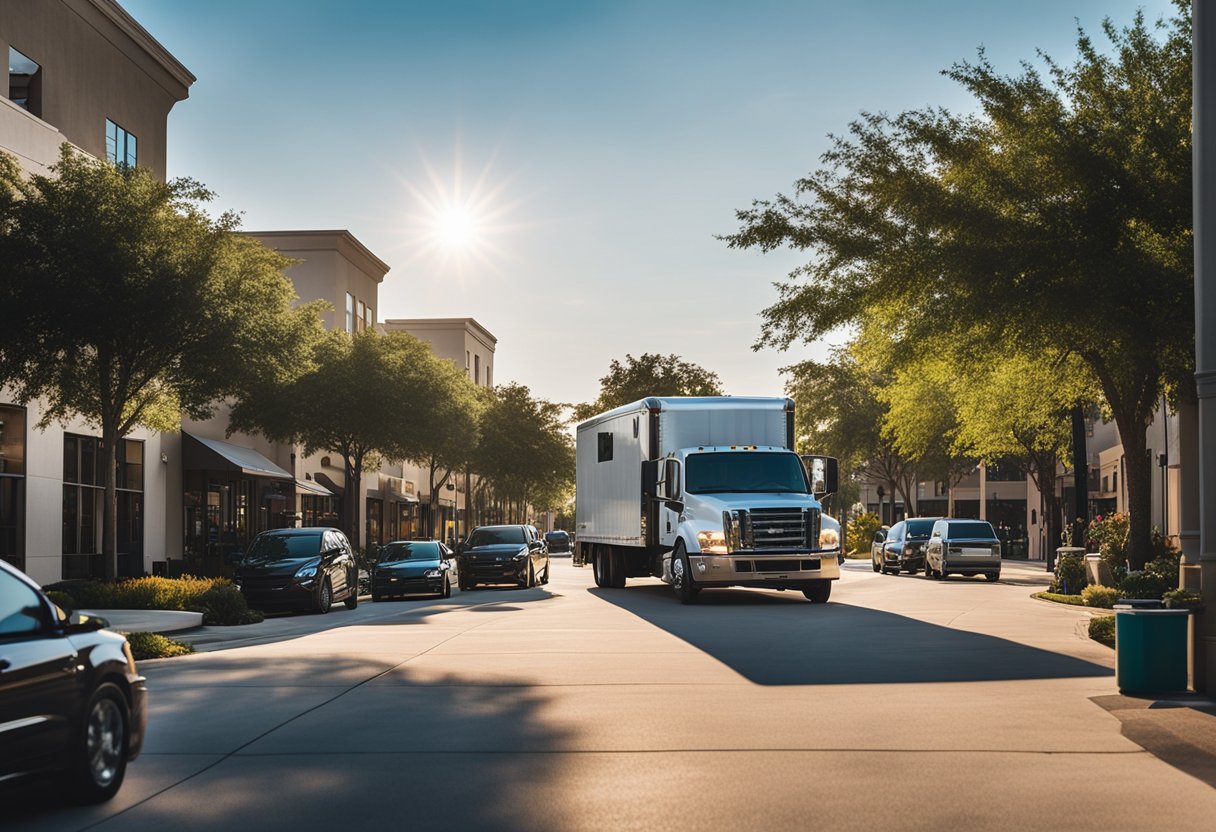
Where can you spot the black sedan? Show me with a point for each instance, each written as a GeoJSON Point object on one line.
{"type": "Point", "coordinates": [504, 554]}
{"type": "Point", "coordinates": [409, 567]}
{"type": "Point", "coordinates": [302, 569]}
{"type": "Point", "coordinates": [71, 701]}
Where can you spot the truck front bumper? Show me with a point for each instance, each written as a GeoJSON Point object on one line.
{"type": "Point", "coordinates": [754, 569]}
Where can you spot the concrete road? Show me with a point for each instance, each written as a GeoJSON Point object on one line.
{"type": "Point", "coordinates": [904, 704]}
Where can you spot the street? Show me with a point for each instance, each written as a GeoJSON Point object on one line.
{"type": "Point", "coordinates": [902, 704]}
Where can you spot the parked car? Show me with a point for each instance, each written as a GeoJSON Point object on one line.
{"type": "Point", "coordinates": [904, 546]}
{"type": "Point", "coordinates": [963, 547]}
{"type": "Point", "coordinates": [411, 567]}
{"type": "Point", "coordinates": [503, 554]}
{"type": "Point", "coordinates": [880, 537]}
{"type": "Point", "coordinates": [557, 541]}
{"type": "Point", "coordinates": [71, 701]}
{"type": "Point", "coordinates": [301, 569]}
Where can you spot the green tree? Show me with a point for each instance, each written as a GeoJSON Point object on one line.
{"type": "Point", "coordinates": [124, 304]}
{"type": "Point", "coordinates": [650, 374]}
{"type": "Point", "coordinates": [365, 397]}
{"type": "Point", "coordinates": [1031, 222]}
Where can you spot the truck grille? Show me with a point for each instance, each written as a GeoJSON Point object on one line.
{"type": "Point", "coordinates": [784, 528]}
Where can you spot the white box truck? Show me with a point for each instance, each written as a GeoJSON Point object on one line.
{"type": "Point", "coordinates": [704, 492]}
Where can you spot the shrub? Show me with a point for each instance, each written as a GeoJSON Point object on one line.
{"type": "Point", "coordinates": [1070, 575]}
{"type": "Point", "coordinates": [1103, 597]}
{"type": "Point", "coordinates": [224, 604]}
{"type": "Point", "coordinates": [1102, 629]}
{"type": "Point", "coordinates": [156, 646]}
{"type": "Point", "coordinates": [861, 531]}
{"type": "Point", "coordinates": [1143, 585]}
{"type": "Point", "coordinates": [1182, 599]}
{"type": "Point", "coordinates": [61, 599]}
{"type": "Point", "coordinates": [1075, 600]}
{"type": "Point", "coordinates": [217, 599]}
{"type": "Point", "coordinates": [1108, 537]}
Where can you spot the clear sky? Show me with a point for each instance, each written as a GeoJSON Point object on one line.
{"type": "Point", "coordinates": [558, 170]}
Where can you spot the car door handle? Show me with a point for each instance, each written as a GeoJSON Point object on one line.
{"type": "Point", "coordinates": [4, 664]}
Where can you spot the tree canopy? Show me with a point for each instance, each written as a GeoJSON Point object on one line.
{"type": "Point", "coordinates": [124, 303]}
{"type": "Point", "coordinates": [1030, 222]}
{"type": "Point", "coordinates": [650, 374]}
{"type": "Point", "coordinates": [525, 452]}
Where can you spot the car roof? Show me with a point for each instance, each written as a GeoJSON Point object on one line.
{"type": "Point", "coordinates": [300, 531]}
{"type": "Point", "coordinates": [504, 526]}
{"type": "Point", "coordinates": [19, 575]}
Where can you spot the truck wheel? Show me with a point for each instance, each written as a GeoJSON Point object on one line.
{"type": "Point", "coordinates": [818, 592]}
{"type": "Point", "coordinates": [616, 569]}
{"type": "Point", "coordinates": [681, 576]}
{"type": "Point", "coordinates": [600, 567]}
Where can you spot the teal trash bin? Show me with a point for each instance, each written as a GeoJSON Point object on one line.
{"type": "Point", "coordinates": [1150, 650]}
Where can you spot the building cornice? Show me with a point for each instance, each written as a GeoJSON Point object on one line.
{"type": "Point", "coordinates": [117, 15]}
{"type": "Point", "coordinates": [470, 325]}
{"type": "Point", "coordinates": [339, 239]}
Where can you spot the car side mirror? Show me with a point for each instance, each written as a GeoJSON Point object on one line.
{"type": "Point", "coordinates": [79, 622]}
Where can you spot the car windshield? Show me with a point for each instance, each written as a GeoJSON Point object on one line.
{"type": "Point", "coordinates": [919, 529]}
{"type": "Point", "coordinates": [393, 552]}
{"type": "Point", "coordinates": [490, 537]}
{"type": "Point", "coordinates": [747, 471]}
{"type": "Point", "coordinates": [555, 536]}
{"type": "Point", "coordinates": [969, 530]}
{"type": "Point", "coordinates": [267, 548]}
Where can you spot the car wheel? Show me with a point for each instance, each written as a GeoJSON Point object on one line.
{"type": "Point", "coordinates": [681, 576]}
{"type": "Point", "coordinates": [992, 577]}
{"type": "Point", "coordinates": [545, 578]}
{"type": "Point", "coordinates": [928, 570]}
{"type": "Point", "coordinates": [818, 592]}
{"type": "Point", "coordinates": [447, 589]}
{"type": "Point", "coordinates": [874, 563]}
{"type": "Point", "coordinates": [910, 568]}
{"type": "Point", "coordinates": [325, 597]}
{"type": "Point", "coordinates": [377, 597]}
{"type": "Point", "coordinates": [352, 600]}
{"type": "Point", "coordinates": [98, 760]}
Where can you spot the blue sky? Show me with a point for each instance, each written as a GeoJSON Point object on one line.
{"type": "Point", "coordinates": [595, 148]}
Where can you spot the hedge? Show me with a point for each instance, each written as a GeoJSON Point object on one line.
{"type": "Point", "coordinates": [217, 599]}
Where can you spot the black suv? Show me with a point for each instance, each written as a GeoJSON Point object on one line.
{"type": "Point", "coordinates": [303, 569]}
{"type": "Point", "coordinates": [71, 701]}
{"type": "Point", "coordinates": [904, 546]}
{"type": "Point", "coordinates": [503, 554]}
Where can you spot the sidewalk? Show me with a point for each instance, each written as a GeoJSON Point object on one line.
{"type": "Point", "coordinates": [148, 621]}
{"type": "Point", "coordinates": [1180, 730]}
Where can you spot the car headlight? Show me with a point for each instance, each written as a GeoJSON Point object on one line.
{"type": "Point", "coordinates": [521, 556]}
{"type": "Point", "coordinates": [712, 543]}
{"type": "Point", "coordinates": [305, 572]}
{"type": "Point", "coordinates": [829, 538]}
{"type": "Point", "coordinates": [433, 573]}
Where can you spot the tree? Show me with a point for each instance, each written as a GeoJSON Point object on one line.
{"type": "Point", "coordinates": [365, 397]}
{"type": "Point", "coordinates": [1031, 222]}
{"type": "Point", "coordinates": [124, 304]}
{"type": "Point", "coordinates": [525, 452]}
{"type": "Point", "coordinates": [650, 374]}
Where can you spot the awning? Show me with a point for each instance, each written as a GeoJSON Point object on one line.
{"type": "Point", "coordinates": [325, 480]}
{"type": "Point", "coordinates": [199, 454]}
{"type": "Point", "coordinates": [313, 488]}
{"type": "Point", "coordinates": [402, 498]}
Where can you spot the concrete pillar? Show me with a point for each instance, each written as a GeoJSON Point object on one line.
{"type": "Point", "coordinates": [1204, 196]}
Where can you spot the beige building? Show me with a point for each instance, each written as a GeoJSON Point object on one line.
{"type": "Point", "coordinates": [85, 73]}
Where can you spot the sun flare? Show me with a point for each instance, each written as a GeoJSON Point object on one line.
{"type": "Point", "coordinates": [456, 227]}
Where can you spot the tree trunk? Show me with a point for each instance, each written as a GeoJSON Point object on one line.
{"type": "Point", "coordinates": [109, 511]}
{"type": "Point", "coordinates": [1139, 478]}
{"type": "Point", "coordinates": [350, 500]}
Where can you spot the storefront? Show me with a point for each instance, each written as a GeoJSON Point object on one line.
{"type": "Point", "coordinates": [231, 493]}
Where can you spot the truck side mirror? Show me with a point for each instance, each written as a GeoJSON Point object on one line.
{"type": "Point", "coordinates": [824, 474]}
{"type": "Point", "coordinates": [675, 505]}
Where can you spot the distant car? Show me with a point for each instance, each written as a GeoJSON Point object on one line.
{"type": "Point", "coordinates": [71, 700]}
{"type": "Point", "coordinates": [301, 569]}
{"type": "Point", "coordinates": [410, 567]}
{"type": "Point", "coordinates": [880, 537]}
{"type": "Point", "coordinates": [503, 554]}
{"type": "Point", "coordinates": [963, 547]}
{"type": "Point", "coordinates": [904, 546]}
{"type": "Point", "coordinates": [558, 541]}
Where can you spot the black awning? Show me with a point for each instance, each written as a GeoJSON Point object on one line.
{"type": "Point", "coordinates": [325, 480]}
{"type": "Point", "coordinates": [200, 454]}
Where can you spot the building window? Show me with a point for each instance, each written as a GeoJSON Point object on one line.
{"type": "Point", "coordinates": [12, 485]}
{"type": "Point", "coordinates": [350, 313]}
{"type": "Point", "coordinates": [83, 492]}
{"type": "Point", "coordinates": [477, 369]}
{"type": "Point", "coordinates": [121, 146]}
{"type": "Point", "coordinates": [468, 363]}
{"type": "Point", "coordinates": [489, 380]}
{"type": "Point", "coordinates": [369, 319]}
{"type": "Point", "coordinates": [360, 317]}
{"type": "Point", "coordinates": [24, 82]}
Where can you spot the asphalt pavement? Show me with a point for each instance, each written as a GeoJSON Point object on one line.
{"type": "Point", "coordinates": [904, 704]}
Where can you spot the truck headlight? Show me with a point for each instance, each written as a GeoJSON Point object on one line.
{"type": "Point", "coordinates": [829, 538]}
{"type": "Point", "coordinates": [712, 543]}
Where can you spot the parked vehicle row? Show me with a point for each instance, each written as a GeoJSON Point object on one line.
{"type": "Point", "coordinates": [938, 547]}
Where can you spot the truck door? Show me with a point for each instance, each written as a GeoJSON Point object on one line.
{"type": "Point", "coordinates": [668, 489]}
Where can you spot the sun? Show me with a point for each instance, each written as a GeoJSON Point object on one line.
{"type": "Point", "coordinates": [456, 227]}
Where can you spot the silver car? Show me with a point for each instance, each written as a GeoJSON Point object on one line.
{"type": "Point", "coordinates": [963, 547]}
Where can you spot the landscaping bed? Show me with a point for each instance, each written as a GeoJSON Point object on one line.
{"type": "Point", "coordinates": [218, 599]}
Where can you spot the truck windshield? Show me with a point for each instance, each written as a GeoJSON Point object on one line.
{"type": "Point", "coordinates": [746, 471]}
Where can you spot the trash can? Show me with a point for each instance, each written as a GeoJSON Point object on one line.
{"type": "Point", "coordinates": [1150, 649]}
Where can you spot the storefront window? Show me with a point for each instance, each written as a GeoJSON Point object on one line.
{"type": "Point", "coordinates": [83, 495]}
{"type": "Point", "coordinates": [12, 485]}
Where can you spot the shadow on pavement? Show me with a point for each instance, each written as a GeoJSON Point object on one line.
{"type": "Point", "coordinates": [837, 644]}
{"type": "Point", "coordinates": [1179, 731]}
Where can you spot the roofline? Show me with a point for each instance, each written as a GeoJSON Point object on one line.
{"type": "Point", "coordinates": [131, 27]}
{"type": "Point", "coordinates": [675, 403]}
{"type": "Point", "coordinates": [344, 236]}
{"type": "Point", "coordinates": [471, 323]}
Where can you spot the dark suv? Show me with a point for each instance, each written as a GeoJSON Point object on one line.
{"type": "Point", "coordinates": [303, 569]}
{"type": "Point", "coordinates": [904, 546]}
{"type": "Point", "coordinates": [71, 701]}
{"type": "Point", "coordinates": [557, 541]}
{"type": "Point", "coordinates": [503, 554]}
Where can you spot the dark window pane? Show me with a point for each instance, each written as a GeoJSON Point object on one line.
{"type": "Point", "coordinates": [11, 520]}
{"type": "Point", "coordinates": [979, 529]}
{"type": "Point", "coordinates": [24, 82]}
{"type": "Point", "coordinates": [88, 461]}
{"type": "Point", "coordinates": [21, 609]}
{"type": "Point", "coordinates": [132, 156]}
{"type": "Point", "coordinates": [71, 459]}
{"type": "Point", "coordinates": [12, 440]}
{"type": "Point", "coordinates": [70, 511]}
{"type": "Point", "coordinates": [88, 529]}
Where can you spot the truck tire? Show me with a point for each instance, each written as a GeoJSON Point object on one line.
{"type": "Point", "coordinates": [681, 576]}
{"type": "Point", "coordinates": [616, 568]}
{"type": "Point", "coordinates": [600, 566]}
{"type": "Point", "coordinates": [818, 592]}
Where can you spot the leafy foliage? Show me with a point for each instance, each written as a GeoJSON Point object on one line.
{"type": "Point", "coordinates": [1103, 597]}
{"type": "Point", "coordinates": [1070, 576]}
{"type": "Point", "coordinates": [1030, 223]}
{"type": "Point", "coordinates": [861, 531]}
{"type": "Point", "coordinates": [1102, 629]}
{"type": "Point", "coordinates": [650, 374]}
{"type": "Point", "coordinates": [525, 451]}
{"type": "Point", "coordinates": [217, 598]}
{"type": "Point", "coordinates": [156, 646]}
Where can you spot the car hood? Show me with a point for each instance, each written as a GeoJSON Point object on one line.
{"type": "Point", "coordinates": [275, 567]}
{"type": "Point", "coordinates": [495, 551]}
{"type": "Point", "coordinates": [406, 568]}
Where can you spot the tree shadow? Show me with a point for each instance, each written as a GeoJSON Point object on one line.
{"type": "Point", "coordinates": [384, 752]}
{"type": "Point", "coordinates": [784, 640]}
